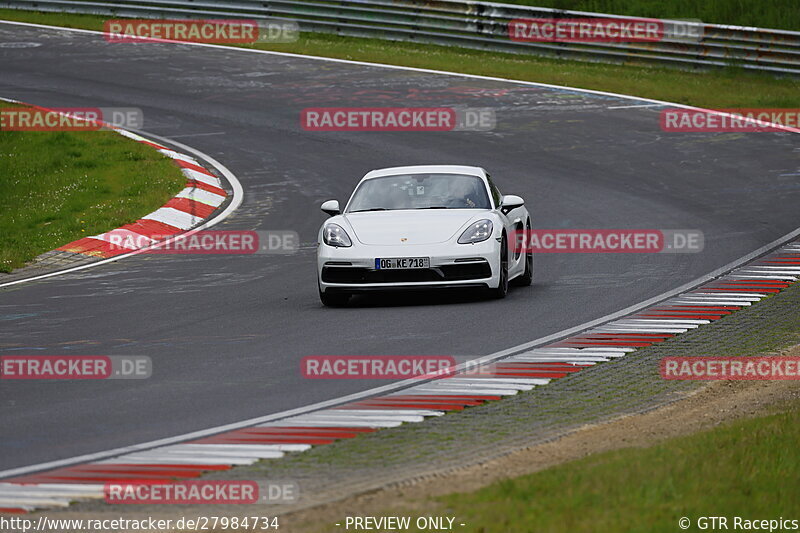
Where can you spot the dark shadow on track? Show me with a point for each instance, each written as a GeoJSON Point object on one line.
{"type": "Point", "coordinates": [421, 298]}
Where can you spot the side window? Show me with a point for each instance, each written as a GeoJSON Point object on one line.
{"type": "Point", "coordinates": [495, 193]}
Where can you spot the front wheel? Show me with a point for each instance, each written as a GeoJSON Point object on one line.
{"type": "Point", "coordinates": [527, 277]}
{"type": "Point", "coordinates": [501, 290]}
{"type": "Point", "coordinates": [333, 299]}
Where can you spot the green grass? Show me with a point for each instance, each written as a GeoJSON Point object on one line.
{"type": "Point", "coordinates": [61, 186]}
{"type": "Point", "coordinates": [749, 468]}
{"type": "Point", "coordinates": [783, 14]}
{"type": "Point", "coordinates": [722, 88]}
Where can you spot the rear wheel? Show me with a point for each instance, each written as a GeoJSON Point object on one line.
{"type": "Point", "coordinates": [502, 287]}
{"type": "Point", "coordinates": [527, 277]}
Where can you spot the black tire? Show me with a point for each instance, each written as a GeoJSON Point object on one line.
{"type": "Point", "coordinates": [501, 290]}
{"type": "Point", "coordinates": [527, 277]}
{"type": "Point", "coordinates": [333, 299]}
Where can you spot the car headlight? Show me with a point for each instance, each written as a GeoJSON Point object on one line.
{"type": "Point", "coordinates": [477, 232]}
{"type": "Point", "coordinates": [335, 235]}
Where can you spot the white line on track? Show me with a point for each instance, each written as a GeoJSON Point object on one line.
{"type": "Point", "coordinates": [632, 106]}
{"type": "Point", "coordinates": [197, 134]}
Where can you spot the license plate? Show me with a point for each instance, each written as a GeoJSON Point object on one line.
{"type": "Point", "coordinates": [394, 263]}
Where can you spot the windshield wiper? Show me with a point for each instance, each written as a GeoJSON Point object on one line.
{"type": "Point", "coordinates": [435, 207]}
{"type": "Point", "coordinates": [370, 209]}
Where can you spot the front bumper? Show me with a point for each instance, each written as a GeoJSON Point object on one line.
{"type": "Point", "coordinates": [451, 266]}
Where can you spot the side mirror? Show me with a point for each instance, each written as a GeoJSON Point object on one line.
{"type": "Point", "coordinates": [331, 207]}
{"type": "Point", "coordinates": [510, 202]}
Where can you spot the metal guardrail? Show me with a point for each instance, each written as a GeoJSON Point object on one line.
{"type": "Point", "coordinates": [479, 25]}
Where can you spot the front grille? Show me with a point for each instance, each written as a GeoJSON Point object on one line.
{"type": "Point", "coordinates": [458, 272]}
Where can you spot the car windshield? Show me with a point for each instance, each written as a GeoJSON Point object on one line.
{"type": "Point", "coordinates": [420, 191]}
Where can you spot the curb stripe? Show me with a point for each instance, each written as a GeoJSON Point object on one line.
{"type": "Point", "coordinates": [191, 166]}
{"type": "Point", "coordinates": [197, 194]}
{"type": "Point", "coordinates": [174, 217]}
{"type": "Point", "coordinates": [191, 207]}
{"type": "Point", "coordinates": [188, 209]}
{"type": "Point", "coordinates": [199, 185]}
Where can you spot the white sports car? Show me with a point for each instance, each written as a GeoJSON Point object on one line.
{"type": "Point", "coordinates": [420, 227]}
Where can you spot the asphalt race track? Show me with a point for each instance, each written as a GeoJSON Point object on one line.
{"type": "Point", "coordinates": [226, 333]}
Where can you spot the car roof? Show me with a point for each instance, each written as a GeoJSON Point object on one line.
{"type": "Point", "coordinates": [426, 169]}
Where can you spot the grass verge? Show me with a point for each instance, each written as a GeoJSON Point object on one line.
{"type": "Point", "coordinates": [650, 489]}
{"type": "Point", "coordinates": [722, 88]}
{"type": "Point", "coordinates": [62, 186]}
